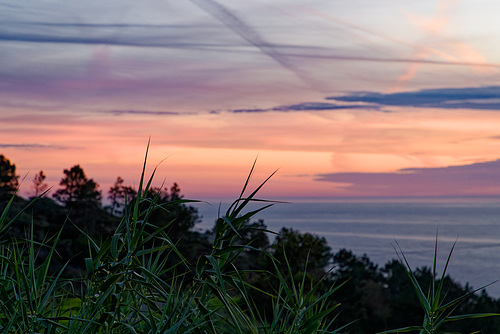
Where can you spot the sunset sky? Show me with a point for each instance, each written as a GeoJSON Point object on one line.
{"type": "Point", "coordinates": [346, 98]}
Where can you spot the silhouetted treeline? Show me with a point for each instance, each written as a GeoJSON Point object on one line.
{"type": "Point", "coordinates": [372, 298]}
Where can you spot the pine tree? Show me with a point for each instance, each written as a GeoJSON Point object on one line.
{"type": "Point", "coordinates": [77, 190]}
{"type": "Point", "coordinates": [39, 186]}
{"type": "Point", "coordinates": [8, 178]}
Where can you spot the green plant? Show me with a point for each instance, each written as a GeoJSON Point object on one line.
{"type": "Point", "coordinates": [130, 285]}
{"type": "Point", "coordinates": [299, 308]}
{"type": "Point", "coordinates": [437, 310]}
{"type": "Point", "coordinates": [31, 298]}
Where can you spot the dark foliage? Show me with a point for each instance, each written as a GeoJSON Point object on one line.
{"type": "Point", "coordinates": [374, 299]}
{"type": "Point", "coordinates": [120, 196]}
{"type": "Point", "coordinates": [379, 299]}
{"type": "Point", "coordinates": [172, 211]}
{"type": "Point", "coordinates": [305, 252]}
{"type": "Point", "coordinates": [363, 296]}
{"type": "Point", "coordinates": [77, 191]}
{"type": "Point", "coordinates": [39, 185]}
{"type": "Point", "coordinates": [8, 178]}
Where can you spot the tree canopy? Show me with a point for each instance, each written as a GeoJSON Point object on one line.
{"type": "Point", "coordinates": [77, 190]}
{"type": "Point", "coordinates": [8, 178]}
{"type": "Point", "coordinates": [39, 185]}
{"type": "Point", "coordinates": [120, 196]}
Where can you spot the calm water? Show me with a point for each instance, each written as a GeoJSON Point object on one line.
{"type": "Point", "coordinates": [374, 227]}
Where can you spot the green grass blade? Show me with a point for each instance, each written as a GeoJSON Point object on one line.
{"type": "Point", "coordinates": [424, 302]}
{"type": "Point", "coordinates": [471, 316]}
{"type": "Point", "coordinates": [404, 330]}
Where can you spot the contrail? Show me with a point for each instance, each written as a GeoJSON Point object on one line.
{"type": "Point", "coordinates": [394, 60]}
{"type": "Point", "coordinates": [238, 26]}
{"type": "Point", "coordinates": [332, 18]}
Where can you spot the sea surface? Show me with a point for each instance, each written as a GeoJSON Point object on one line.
{"type": "Point", "coordinates": [378, 228]}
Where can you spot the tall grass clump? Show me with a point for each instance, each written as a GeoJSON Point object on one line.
{"type": "Point", "coordinates": [31, 299]}
{"type": "Point", "coordinates": [131, 284]}
{"type": "Point", "coordinates": [437, 310]}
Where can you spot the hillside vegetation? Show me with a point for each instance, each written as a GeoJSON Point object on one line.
{"type": "Point", "coordinates": [70, 265]}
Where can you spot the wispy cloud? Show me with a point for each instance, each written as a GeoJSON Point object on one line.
{"type": "Point", "coordinates": [196, 36]}
{"type": "Point", "coordinates": [480, 98]}
{"type": "Point", "coordinates": [312, 106]}
{"type": "Point", "coordinates": [431, 29]}
{"type": "Point", "coordinates": [466, 180]}
{"type": "Point", "coordinates": [410, 60]}
{"type": "Point", "coordinates": [461, 55]}
{"type": "Point", "coordinates": [143, 35]}
{"type": "Point", "coordinates": [31, 146]}
{"type": "Point", "coordinates": [141, 112]}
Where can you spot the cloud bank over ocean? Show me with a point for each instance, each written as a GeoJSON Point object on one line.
{"type": "Point", "coordinates": [477, 179]}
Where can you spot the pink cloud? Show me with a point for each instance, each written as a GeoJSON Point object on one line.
{"type": "Point", "coordinates": [480, 179]}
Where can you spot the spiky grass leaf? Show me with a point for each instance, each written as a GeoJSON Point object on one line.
{"type": "Point", "coordinates": [436, 312]}
{"type": "Point", "coordinates": [404, 330]}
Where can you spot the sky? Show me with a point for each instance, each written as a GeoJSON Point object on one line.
{"type": "Point", "coordinates": [343, 98]}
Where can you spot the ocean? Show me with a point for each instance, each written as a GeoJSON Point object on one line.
{"type": "Point", "coordinates": [377, 228]}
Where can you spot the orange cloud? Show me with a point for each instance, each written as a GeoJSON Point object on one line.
{"type": "Point", "coordinates": [446, 49]}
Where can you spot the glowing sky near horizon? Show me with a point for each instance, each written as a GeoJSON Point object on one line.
{"type": "Point", "coordinates": [355, 98]}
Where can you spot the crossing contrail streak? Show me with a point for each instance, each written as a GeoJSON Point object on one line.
{"type": "Point", "coordinates": [238, 26]}
{"type": "Point", "coordinates": [394, 60]}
